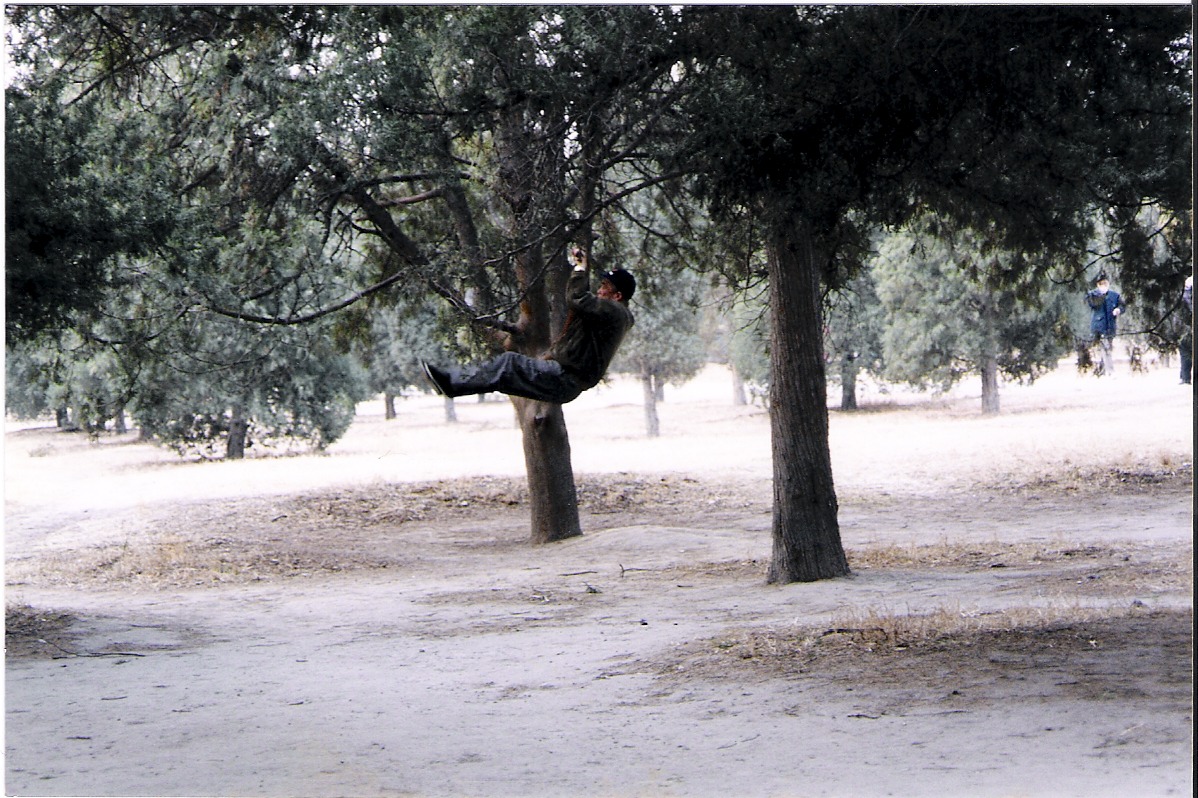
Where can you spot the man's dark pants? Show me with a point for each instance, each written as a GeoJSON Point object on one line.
{"type": "Point", "coordinates": [516, 375]}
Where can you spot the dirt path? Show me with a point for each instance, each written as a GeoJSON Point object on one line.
{"type": "Point", "coordinates": [372, 622]}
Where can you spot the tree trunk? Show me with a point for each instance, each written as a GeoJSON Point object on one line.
{"type": "Point", "coordinates": [451, 411]}
{"type": "Point", "coordinates": [238, 428]}
{"type": "Point", "coordinates": [990, 402]}
{"type": "Point", "coordinates": [738, 389]}
{"type": "Point", "coordinates": [552, 497]}
{"type": "Point", "coordinates": [389, 406]}
{"type": "Point", "coordinates": [806, 532]}
{"type": "Point", "coordinates": [531, 171]}
{"type": "Point", "coordinates": [79, 418]}
{"type": "Point", "coordinates": [848, 382]}
{"type": "Point", "coordinates": [652, 424]}
{"type": "Point", "coordinates": [990, 354]}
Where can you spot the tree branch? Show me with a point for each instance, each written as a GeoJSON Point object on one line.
{"type": "Point", "coordinates": [314, 315]}
{"type": "Point", "coordinates": [424, 196]}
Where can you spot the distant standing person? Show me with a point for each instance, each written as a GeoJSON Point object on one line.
{"type": "Point", "coordinates": [1186, 346]}
{"type": "Point", "coordinates": [577, 360]}
{"type": "Point", "coordinates": [1105, 307]}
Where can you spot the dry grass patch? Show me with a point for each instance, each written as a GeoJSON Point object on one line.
{"type": "Point", "coordinates": [30, 633]}
{"type": "Point", "coordinates": [999, 554]}
{"type": "Point", "coordinates": [179, 562]}
{"type": "Point", "coordinates": [1132, 477]}
{"type": "Point", "coordinates": [393, 505]}
{"type": "Point", "coordinates": [900, 640]}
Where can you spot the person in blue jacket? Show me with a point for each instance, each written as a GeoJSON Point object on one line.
{"type": "Point", "coordinates": [1105, 307]}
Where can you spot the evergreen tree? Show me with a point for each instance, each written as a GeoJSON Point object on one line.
{"type": "Point", "coordinates": [72, 203]}
{"type": "Point", "coordinates": [952, 310]}
{"type": "Point", "coordinates": [853, 338]}
{"type": "Point", "coordinates": [276, 388]}
{"type": "Point", "coordinates": [665, 345]}
{"type": "Point", "coordinates": [475, 147]}
{"type": "Point", "coordinates": [402, 336]}
{"type": "Point", "coordinates": [749, 351]}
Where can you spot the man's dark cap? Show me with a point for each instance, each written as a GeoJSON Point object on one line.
{"type": "Point", "coordinates": [623, 282]}
{"type": "Point", "coordinates": [1101, 276]}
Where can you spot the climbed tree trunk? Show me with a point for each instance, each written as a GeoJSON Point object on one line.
{"type": "Point", "coordinates": [552, 498]}
{"type": "Point", "coordinates": [527, 184]}
{"type": "Point", "coordinates": [806, 532]}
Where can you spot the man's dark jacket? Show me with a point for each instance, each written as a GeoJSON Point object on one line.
{"type": "Point", "coordinates": [592, 333]}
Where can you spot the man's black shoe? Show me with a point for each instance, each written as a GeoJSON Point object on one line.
{"type": "Point", "coordinates": [436, 378]}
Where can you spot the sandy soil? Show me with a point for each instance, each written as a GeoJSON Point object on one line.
{"type": "Point", "coordinates": [372, 621]}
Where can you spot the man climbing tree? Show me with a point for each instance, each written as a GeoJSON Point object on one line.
{"type": "Point", "coordinates": [579, 357]}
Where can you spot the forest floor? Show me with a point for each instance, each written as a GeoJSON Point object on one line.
{"type": "Point", "coordinates": [373, 621]}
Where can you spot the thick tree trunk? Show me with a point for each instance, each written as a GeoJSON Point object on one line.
{"type": "Point", "coordinates": [389, 406]}
{"type": "Point", "coordinates": [531, 179]}
{"type": "Point", "coordinates": [848, 382]}
{"type": "Point", "coordinates": [552, 496]}
{"type": "Point", "coordinates": [451, 411]}
{"type": "Point", "coordinates": [652, 424]}
{"type": "Point", "coordinates": [806, 532]}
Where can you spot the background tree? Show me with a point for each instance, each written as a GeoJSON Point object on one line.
{"type": "Point", "coordinates": [665, 345]}
{"type": "Point", "coordinates": [401, 337]}
{"type": "Point", "coordinates": [955, 306]}
{"type": "Point", "coordinates": [853, 336]}
{"type": "Point", "coordinates": [82, 387]}
{"type": "Point", "coordinates": [62, 225]}
{"type": "Point", "coordinates": [749, 349]}
{"type": "Point", "coordinates": [240, 386]}
{"type": "Point", "coordinates": [658, 236]}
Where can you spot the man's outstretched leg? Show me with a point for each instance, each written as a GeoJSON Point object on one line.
{"type": "Point", "coordinates": [438, 379]}
{"type": "Point", "coordinates": [510, 373]}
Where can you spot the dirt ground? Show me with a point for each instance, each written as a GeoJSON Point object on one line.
{"type": "Point", "coordinates": [372, 621]}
